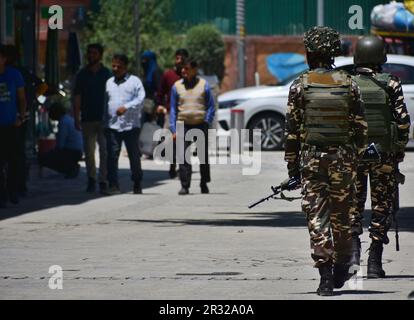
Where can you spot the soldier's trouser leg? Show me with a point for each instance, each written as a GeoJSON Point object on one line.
{"type": "Point", "coordinates": [382, 188]}
{"type": "Point", "coordinates": [327, 203]}
{"type": "Point", "coordinates": [342, 174]}
{"type": "Point", "coordinates": [315, 204]}
{"type": "Point", "coordinates": [361, 186]}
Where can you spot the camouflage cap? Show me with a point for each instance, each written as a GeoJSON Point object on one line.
{"type": "Point", "coordinates": [324, 40]}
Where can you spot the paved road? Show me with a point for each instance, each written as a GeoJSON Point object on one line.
{"type": "Point", "coordinates": [161, 246]}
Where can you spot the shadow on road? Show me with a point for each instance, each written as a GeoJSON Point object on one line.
{"type": "Point", "coordinates": [348, 292]}
{"type": "Point", "coordinates": [291, 219]}
{"type": "Point", "coordinates": [53, 190]}
{"type": "Point", "coordinates": [272, 219]}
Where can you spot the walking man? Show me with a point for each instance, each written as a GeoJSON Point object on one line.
{"type": "Point", "coordinates": [89, 93]}
{"type": "Point", "coordinates": [12, 112]}
{"type": "Point", "coordinates": [388, 130]}
{"type": "Point", "coordinates": [168, 79]}
{"type": "Point", "coordinates": [192, 105]}
{"type": "Point", "coordinates": [326, 135]}
{"type": "Point", "coordinates": [125, 95]}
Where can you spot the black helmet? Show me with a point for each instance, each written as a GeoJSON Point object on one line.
{"type": "Point", "coordinates": [370, 50]}
{"type": "Point", "coordinates": [323, 40]}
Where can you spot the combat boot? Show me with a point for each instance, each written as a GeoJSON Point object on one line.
{"type": "Point", "coordinates": [356, 251]}
{"type": "Point", "coordinates": [340, 274]}
{"type": "Point", "coordinates": [326, 285]}
{"type": "Point", "coordinates": [375, 261]}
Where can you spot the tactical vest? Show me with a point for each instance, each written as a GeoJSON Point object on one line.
{"type": "Point", "coordinates": [381, 128]}
{"type": "Point", "coordinates": [191, 103]}
{"type": "Point", "coordinates": [327, 101]}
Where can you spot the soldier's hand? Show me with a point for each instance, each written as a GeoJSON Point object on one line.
{"type": "Point", "coordinates": [399, 157]}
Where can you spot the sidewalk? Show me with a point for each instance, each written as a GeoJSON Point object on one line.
{"type": "Point", "coordinates": [162, 246]}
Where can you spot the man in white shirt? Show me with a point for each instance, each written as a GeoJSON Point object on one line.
{"type": "Point", "coordinates": [125, 95]}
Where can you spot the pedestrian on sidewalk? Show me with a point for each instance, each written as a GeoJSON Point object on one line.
{"type": "Point", "coordinates": [168, 79]}
{"type": "Point", "coordinates": [125, 95]}
{"type": "Point", "coordinates": [25, 133]}
{"type": "Point", "coordinates": [12, 111]}
{"type": "Point", "coordinates": [69, 146]}
{"type": "Point", "coordinates": [192, 105]}
{"type": "Point", "coordinates": [89, 108]}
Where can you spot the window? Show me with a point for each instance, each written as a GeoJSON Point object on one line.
{"type": "Point", "coordinates": [402, 71]}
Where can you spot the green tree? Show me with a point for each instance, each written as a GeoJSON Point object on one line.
{"type": "Point", "coordinates": [113, 27]}
{"type": "Point", "coordinates": [205, 43]}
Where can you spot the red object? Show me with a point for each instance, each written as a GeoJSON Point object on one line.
{"type": "Point", "coordinates": [236, 111]}
{"type": "Point", "coordinates": [164, 93]}
{"type": "Point", "coordinates": [45, 145]}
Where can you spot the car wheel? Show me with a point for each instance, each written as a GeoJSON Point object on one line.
{"type": "Point", "coordinates": [273, 130]}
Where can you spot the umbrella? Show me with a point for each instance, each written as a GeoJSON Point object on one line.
{"type": "Point", "coordinates": [52, 61]}
{"type": "Point", "coordinates": [73, 60]}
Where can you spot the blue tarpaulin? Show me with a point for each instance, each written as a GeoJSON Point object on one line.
{"type": "Point", "coordinates": [285, 65]}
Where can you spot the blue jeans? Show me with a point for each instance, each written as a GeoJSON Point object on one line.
{"type": "Point", "coordinates": [114, 141]}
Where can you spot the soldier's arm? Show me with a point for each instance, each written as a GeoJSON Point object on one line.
{"type": "Point", "coordinates": [359, 124]}
{"type": "Point", "coordinates": [399, 109]}
{"type": "Point", "coordinates": [292, 131]}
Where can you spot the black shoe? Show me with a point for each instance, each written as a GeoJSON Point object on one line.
{"type": "Point", "coordinates": [91, 186]}
{"type": "Point", "coordinates": [172, 172]}
{"type": "Point", "coordinates": [183, 191]}
{"type": "Point", "coordinates": [326, 286]}
{"type": "Point", "coordinates": [375, 270]}
{"type": "Point", "coordinates": [111, 191]}
{"type": "Point", "coordinates": [137, 188]}
{"type": "Point", "coordinates": [204, 189]}
{"type": "Point", "coordinates": [356, 251]}
{"type": "Point", "coordinates": [341, 274]}
{"type": "Point", "coordinates": [102, 187]}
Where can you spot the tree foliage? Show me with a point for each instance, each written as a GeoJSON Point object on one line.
{"type": "Point", "coordinates": [205, 43]}
{"type": "Point", "coordinates": [113, 27]}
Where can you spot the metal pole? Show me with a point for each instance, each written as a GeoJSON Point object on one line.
{"type": "Point", "coordinates": [320, 13]}
{"type": "Point", "coordinates": [137, 42]}
{"type": "Point", "coordinates": [241, 34]}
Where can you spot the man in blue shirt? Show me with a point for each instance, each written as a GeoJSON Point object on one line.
{"type": "Point", "coordinates": [68, 152]}
{"type": "Point", "coordinates": [125, 96]}
{"type": "Point", "coordinates": [12, 111]}
{"type": "Point", "coordinates": [192, 104]}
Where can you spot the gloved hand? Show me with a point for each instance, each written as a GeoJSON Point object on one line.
{"type": "Point", "coordinates": [399, 156]}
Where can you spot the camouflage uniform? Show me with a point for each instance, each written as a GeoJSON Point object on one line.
{"type": "Point", "coordinates": [328, 176]}
{"type": "Point", "coordinates": [382, 173]}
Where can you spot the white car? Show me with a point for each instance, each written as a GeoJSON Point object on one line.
{"type": "Point", "coordinates": [265, 106]}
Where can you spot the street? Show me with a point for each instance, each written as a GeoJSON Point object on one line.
{"type": "Point", "coordinates": [162, 246]}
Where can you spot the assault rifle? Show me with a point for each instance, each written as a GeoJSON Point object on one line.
{"type": "Point", "coordinates": [399, 179]}
{"type": "Point", "coordinates": [287, 185]}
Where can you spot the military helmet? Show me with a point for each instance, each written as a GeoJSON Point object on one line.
{"type": "Point", "coordinates": [323, 40]}
{"type": "Point", "coordinates": [370, 50]}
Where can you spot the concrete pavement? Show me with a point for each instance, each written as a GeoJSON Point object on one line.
{"type": "Point", "coordinates": [162, 246]}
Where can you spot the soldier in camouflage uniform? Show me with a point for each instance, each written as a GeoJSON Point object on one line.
{"type": "Point", "coordinates": [388, 130]}
{"type": "Point", "coordinates": [326, 135]}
